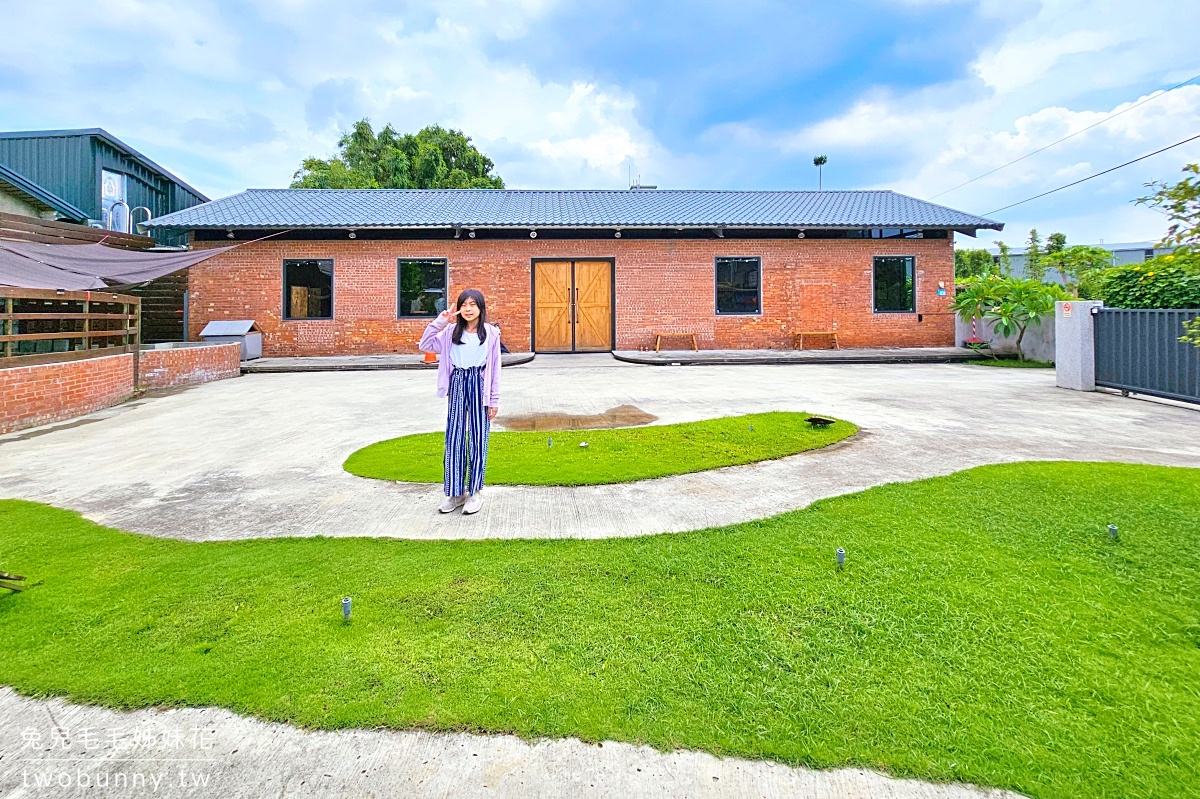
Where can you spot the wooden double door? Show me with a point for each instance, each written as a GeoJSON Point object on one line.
{"type": "Point", "coordinates": [573, 306]}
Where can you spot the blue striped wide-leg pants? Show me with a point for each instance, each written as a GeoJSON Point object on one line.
{"type": "Point", "coordinates": [467, 428]}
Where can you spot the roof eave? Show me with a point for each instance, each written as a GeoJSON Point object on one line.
{"type": "Point", "coordinates": [46, 198]}
{"type": "Point", "coordinates": [156, 224]}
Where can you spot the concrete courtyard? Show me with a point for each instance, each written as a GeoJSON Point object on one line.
{"type": "Point", "coordinates": [262, 455]}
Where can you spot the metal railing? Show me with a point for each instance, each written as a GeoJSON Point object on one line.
{"type": "Point", "coordinates": [47, 326]}
{"type": "Point", "coordinates": [1139, 351]}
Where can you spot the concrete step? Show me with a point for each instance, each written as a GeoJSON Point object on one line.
{"type": "Point", "coordinates": [357, 363]}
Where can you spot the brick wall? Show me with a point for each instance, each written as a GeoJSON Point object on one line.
{"type": "Point", "coordinates": [660, 285]}
{"type": "Point", "coordinates": [189, 366]}
{"type": "Point", "coordinates": [50, 392]}
{"type": "Point", "coordinates": [43, 393]}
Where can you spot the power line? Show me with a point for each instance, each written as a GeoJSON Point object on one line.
{"type": "Point", "coordinates": [1098, 174]}
{"type": "Point", "coordinates": [1069, 136]}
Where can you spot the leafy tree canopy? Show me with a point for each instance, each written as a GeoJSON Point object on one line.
{"type": "Point", "coordinates": [1075, 261]}
{"type": "Point", "coordinates": [434, 158]}
{"type": "Point", "coordinates": [1181, 202]}
{"type": "Point", "coordinates": [974, 263]}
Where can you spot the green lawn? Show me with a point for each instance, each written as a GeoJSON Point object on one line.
{"type": "Point", "coordinates": [1012, 363]}
{"type": "Point", "coordinates": [612, 456]}
{"type": "Point", "coordinates": [984, 629]}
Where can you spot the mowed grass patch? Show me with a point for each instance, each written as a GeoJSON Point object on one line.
{"type": "Point", "coordinates": [984, 629]}
{"type": "Point", "coordinates": [619, 455]}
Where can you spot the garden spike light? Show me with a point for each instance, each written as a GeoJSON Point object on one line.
{"type": "Point", "coordinates": [841, 557]}
{"type": "Point", "coordinates": [346, 608]}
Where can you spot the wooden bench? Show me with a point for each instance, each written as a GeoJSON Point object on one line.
{"type": "Point", "coordinates": [798, 338]}
{"type": "Point", "coordinates": [658, 337]}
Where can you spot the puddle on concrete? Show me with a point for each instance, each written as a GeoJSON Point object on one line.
{"type": "Point", "coordinates": [620, 416]}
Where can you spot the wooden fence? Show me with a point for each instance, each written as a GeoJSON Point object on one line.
{"type": "Point", "coordinates": [48, 326]}
{"type": "Point", "coordinates": [29, 228]}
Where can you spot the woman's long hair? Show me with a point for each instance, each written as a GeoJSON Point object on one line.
{"type": "Point", "coordinates": [461, 324]}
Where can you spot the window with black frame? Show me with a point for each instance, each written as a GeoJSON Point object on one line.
{"type": "Point", "coordinates": [420, 286]}
{"type": "Point", "coordinates": [308, 289]}
{"type": "Point", "coordinates": [895, 284]}
{"type": "Point", "coordinates": [738, 282]}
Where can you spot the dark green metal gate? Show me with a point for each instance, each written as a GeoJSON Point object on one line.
{"type": "Point", "coordinates": [1139, 351]}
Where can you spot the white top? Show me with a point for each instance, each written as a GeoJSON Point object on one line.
{"type": "Point", "coordinates": [469, 353]}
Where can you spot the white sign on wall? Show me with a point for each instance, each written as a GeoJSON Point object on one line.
{"type": "Point", "coordinates": [113, 190]}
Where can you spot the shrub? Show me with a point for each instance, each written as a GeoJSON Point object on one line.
{"type": "Point", "coordinates": [1168, 281]}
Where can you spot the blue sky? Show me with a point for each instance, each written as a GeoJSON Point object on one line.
{"type": "Point", "coordinates": [913, 95]}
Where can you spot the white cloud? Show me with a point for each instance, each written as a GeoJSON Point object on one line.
{"type": "Point", "coordinates": [1046, 78]}
{"type": "Point", "coordinates": [231, 101]}
{"type": "Point", "coordinates": [1021, 62]}
{"type": "Point", "coordinates": [230, 97]}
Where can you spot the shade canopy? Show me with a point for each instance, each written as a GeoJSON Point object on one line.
{"type": "Point", "coordinates": [78, 267]}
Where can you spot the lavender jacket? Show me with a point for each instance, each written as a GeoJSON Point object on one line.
{"type": "Point", "coordinates": [437, 339]}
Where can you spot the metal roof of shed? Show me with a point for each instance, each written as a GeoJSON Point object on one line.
{"type": "Point", "coordinates": [112, 140]}
{"type": "Point", "coordinates": [517, 208]}
{"type": "Point", "coordinates": [23, 185]}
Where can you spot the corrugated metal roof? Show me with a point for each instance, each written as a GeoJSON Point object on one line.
{"type": "Point", "coordinates": [41, 195]}
{"type": "Point", "coordinates": [515, 208]}
{"type": "Point", "coordinates": [101, 133]}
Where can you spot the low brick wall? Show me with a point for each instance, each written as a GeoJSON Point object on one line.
{"type": "Point", "coordinates": [51, 392]}
{"type": "Point", "coordinates": [189, 366]}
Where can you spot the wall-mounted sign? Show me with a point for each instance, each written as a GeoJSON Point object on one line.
{"type": "Point", "coordinates": [1066, 309]}
{"type": "Point", "coordinates": [113, 191]}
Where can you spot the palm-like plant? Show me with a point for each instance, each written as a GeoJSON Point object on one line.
{"type": "Point", "coordinates": [819, 162]}
{"type": "Point", "coordinates": [974, 301]}
{"type": "Point", "coordinates": [1011, 305]}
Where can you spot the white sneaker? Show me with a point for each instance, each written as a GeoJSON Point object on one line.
{"type": "Point", "coordinates": [473, 503]}
{"type": "Point", "coordinates": [451, 504]}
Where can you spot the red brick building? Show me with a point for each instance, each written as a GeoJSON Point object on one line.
{"type": "Point", "coordinates": [340, 272]}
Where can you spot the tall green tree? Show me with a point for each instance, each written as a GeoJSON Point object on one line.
{"type": "Point", "coordinates": [1034, 268]}
{"type": "Point", "coordinates": [1055, 243]}
{"type": "Point", "coordinates": [1005, 258]}
{"type": "Point", "coordinates": [433, 158]}
{"type": "Point", "coordinates": [1074, 262]}
{"type": "Point", "coordinates": [973, 263]}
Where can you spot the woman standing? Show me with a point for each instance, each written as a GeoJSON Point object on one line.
{"type": "Point", "coordinates": [469, 374]}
